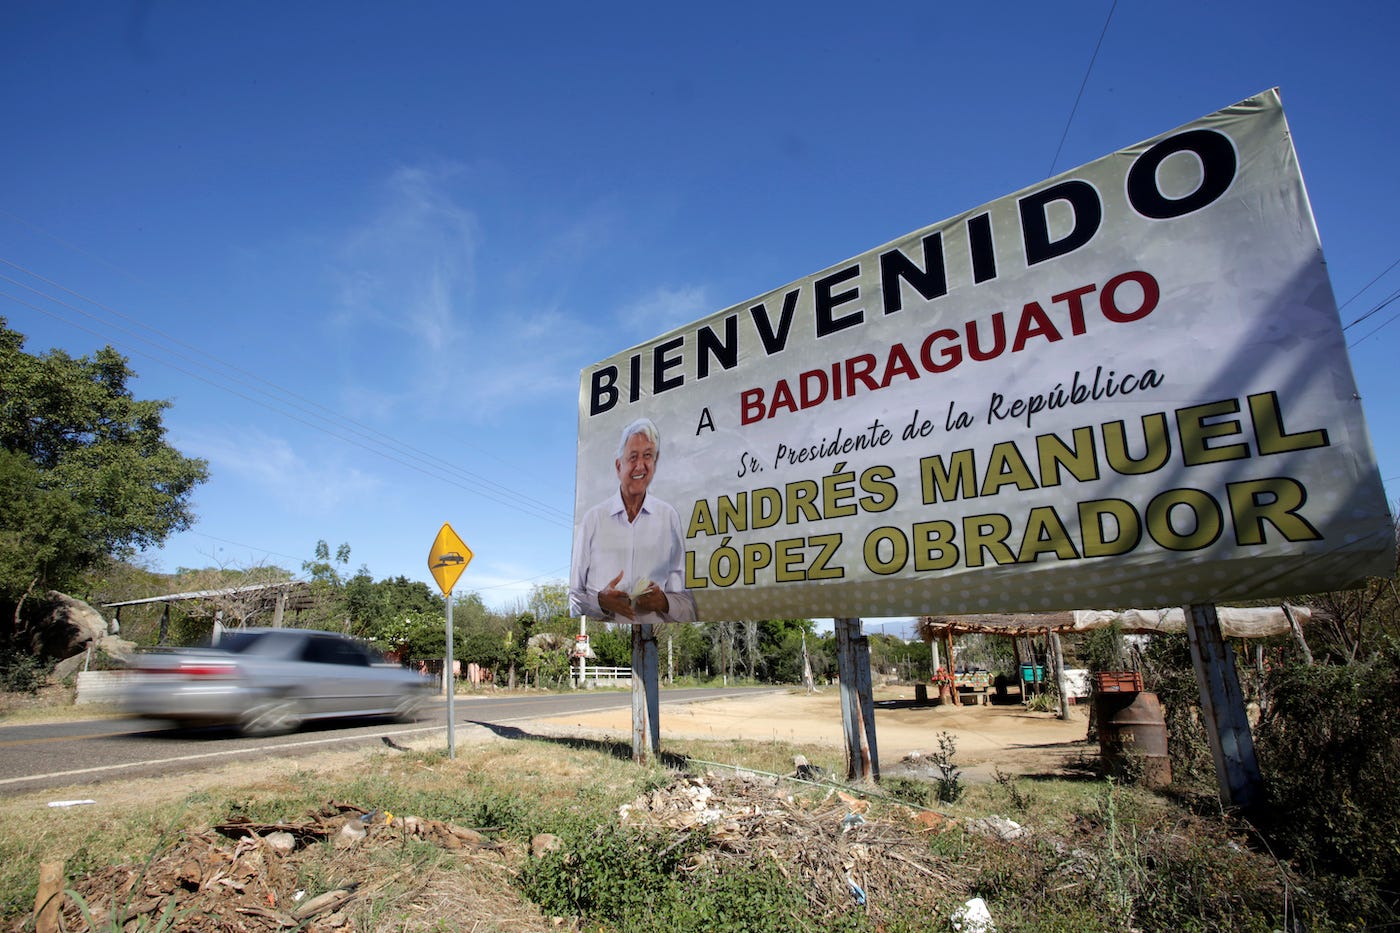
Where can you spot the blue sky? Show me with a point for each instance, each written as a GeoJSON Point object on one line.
{"type": "Point", "coordinates": [366, 248]}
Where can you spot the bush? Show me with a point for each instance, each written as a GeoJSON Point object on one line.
{"type": "Point", "coordinates": [1329, 751]}
{"type": "Point", "coordinates": [627, 879]}
{"type": "Point", "coordinates": [21, 672]}
{"type": "Point", "coordinates": [1169, 673]}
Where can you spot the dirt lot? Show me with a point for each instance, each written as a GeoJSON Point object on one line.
{"type": "Point", "coordinates": [1007, 737]}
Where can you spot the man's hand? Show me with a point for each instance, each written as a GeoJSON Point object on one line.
{"type": "Point", "coordinates": [615, 601]}
{"type": "Point", "coordinates": [653, 600]}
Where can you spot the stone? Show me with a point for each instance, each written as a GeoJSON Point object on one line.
{"type": "Point", "coordinates": [70, 627]}
{"type": "Point", "coordinates": [543, 843]}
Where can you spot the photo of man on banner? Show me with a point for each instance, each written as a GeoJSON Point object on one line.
{"type": "Point", "coordinates": [629, 551]}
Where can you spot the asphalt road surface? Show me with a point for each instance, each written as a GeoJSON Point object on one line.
{"type": "Point", "coordinates": [33, 757]}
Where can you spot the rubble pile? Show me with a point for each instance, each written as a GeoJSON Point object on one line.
{"type": "Point", "coordinates": [247, 876]}
{"type": "Point", "coordinates": [831, 847]}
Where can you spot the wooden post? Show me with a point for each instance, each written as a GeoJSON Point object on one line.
{"type": "Point", "coordinates": [952, 670]}
{"type": "Point", "coordinates": [1223, 713]}
{"type": "Point", "coordinates": [1298, 634]}
{"type": "Point", "coordinates": [1061, 684]}
{"type": "Point", "coordinates": [646, 695]}
{"type": "Point", "coordinates": [866, 696]}
{"type": "Point", "coordinates": [847, 632]}
{"type": "Point", "coordinates": [49, 897]}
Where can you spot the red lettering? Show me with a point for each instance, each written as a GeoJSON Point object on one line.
{"type": "Point", "coordinates": [1034, 323]}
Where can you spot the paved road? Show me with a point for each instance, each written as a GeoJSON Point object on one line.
{"type": "Point", "coordinates": [33, 757]}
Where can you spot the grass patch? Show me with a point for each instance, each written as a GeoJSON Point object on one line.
{"type": "Point", "coordinates": [1098, 856]}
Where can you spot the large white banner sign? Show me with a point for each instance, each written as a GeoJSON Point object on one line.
{"type": "Point", "coordinates": [1124, 386]}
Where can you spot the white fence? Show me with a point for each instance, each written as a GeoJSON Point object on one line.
{"type": "Point", "coordinates": [612, 676]}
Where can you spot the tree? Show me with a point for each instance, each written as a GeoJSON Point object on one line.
{"type": "Point", "coordinates": [70, 429]}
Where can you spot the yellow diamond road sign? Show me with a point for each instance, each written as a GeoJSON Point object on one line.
{"type": "Point", "coordinates": [448, 558]}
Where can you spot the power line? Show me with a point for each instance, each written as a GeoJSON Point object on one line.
{"type": "Point", "coordinates": [1384, 301]}
{"type": "Point", "coordinates": [1368, 285]}
{"type": "Point", "coordinates": [1082, 85]}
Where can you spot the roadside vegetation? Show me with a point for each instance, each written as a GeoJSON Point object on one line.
{"type": "Point", "coordinates": [571, 829]}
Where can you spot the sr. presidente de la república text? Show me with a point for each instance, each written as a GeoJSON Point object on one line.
{"type": "Point", "coordinates": [1263, 509]}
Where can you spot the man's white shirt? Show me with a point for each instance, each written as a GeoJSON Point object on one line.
{"type": "Point", "coordinates": [652, 546]}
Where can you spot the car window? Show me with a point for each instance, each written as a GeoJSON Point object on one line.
{"type": "Point", "coordinates": [335, 651]}
{"type": "Point", "coordinates": [252, 643]}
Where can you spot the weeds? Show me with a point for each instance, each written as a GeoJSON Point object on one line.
{"type": "Point", "coordinates": [1101, 856]}
{"type": "Point", "coordinates": [1017, 798]}
{"type": "Point", "coordinates": [949, 785]}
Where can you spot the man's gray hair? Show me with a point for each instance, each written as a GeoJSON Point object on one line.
{"type": "Point", "coordinates": [640, 426]}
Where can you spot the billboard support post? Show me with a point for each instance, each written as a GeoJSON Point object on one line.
{"type": "Point", "coordinates": [1222, 702]}
{"type": "Point", "coordinates": [646, 695]}
{"type": "Point", "coordinates": [857, 703]}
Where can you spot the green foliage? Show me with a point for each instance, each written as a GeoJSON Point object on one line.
{"type": "Point", "coordinates": [908, 790]}
{"type": "Point", "coordinates": [949, 785]}
{"type": "Point", "coordinates": [1103, 649]}
{"type": "Point", "coordinates": [1168, 672]}
{"type": "Point", "coordinates": [417, 634]}
{"type": "Point", "coordinates": [1017, 798]}
{"type": "Point", "coordinates": [21, 671]}
{"type": "Point", "coordinates": [631, 880]}
{"type": "Point", "coordinates": [1329, 749]}
{"type": "Point", "coordinates": [612, 644]}
{"type": "Point", "coordinates": [71, 429]}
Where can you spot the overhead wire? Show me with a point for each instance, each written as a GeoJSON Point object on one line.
{"type": "Point", "coordinates": [1082, 85]}
{"type": "Point", "coordinates": [1380, 275]}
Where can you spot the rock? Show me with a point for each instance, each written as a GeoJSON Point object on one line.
{"type": "Point", "coordinates": [350, 834]}
{"type": "Point", "coordinates": [70, 627]}
{"type": "Point", "coordinates": [543, 843]}
{"type": "Point", "coordinates": [998, 827]}
{"type": "Point", "coordinates": [280, 842]}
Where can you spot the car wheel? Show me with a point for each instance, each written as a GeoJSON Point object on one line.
{"type": "Point", "coordinates": [274, 717]}
{"type": "Point", "coordinates": [408, 708]}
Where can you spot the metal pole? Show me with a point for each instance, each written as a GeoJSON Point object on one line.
{"type": "Point", "coordinates": [451, 684]}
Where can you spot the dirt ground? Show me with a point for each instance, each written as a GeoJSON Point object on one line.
{"type": "Point", "coordinates": [1006, 737]}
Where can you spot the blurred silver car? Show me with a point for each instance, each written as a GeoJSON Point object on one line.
{"type": "Point", "coordinates": [265, 681]}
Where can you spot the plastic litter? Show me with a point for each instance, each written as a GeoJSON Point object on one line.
{"type": "Point", "coordinates": [70, 803]}
{"type": "Point", "coordinates": [856, 891]}
{"type": "Point", "coordinates": [851, 821]}
{"type": "Point", "coordinates": [973, 917]}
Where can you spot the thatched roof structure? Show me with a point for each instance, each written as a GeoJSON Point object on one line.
{"type": "Point", "coordinates": [1234, 623]}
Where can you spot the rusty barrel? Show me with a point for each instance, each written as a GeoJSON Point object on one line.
{"type": "Point", "coordinates": [1132, 725]}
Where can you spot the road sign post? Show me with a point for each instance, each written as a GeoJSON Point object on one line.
{"type": "Point", "coordinates": [447, 559]}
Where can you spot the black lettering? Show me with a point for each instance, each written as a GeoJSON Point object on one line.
{"type": "Point", "coordinates": [1218, 165]}
{"type": "Point", "coordinates": [930, 282]}
{"type": "Point", "coordinates": [826, 302]}
{"type": "Point", "coordinates": [1035, 228]}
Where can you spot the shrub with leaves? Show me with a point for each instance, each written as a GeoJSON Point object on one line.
{"type": "Point", "coordinates": [20, 672]}
{"type": "Point", "coordinates": [1329, 750]}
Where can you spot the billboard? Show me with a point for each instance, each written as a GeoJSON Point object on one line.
{"type": "Point", "coordinates": [1126, 385]}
